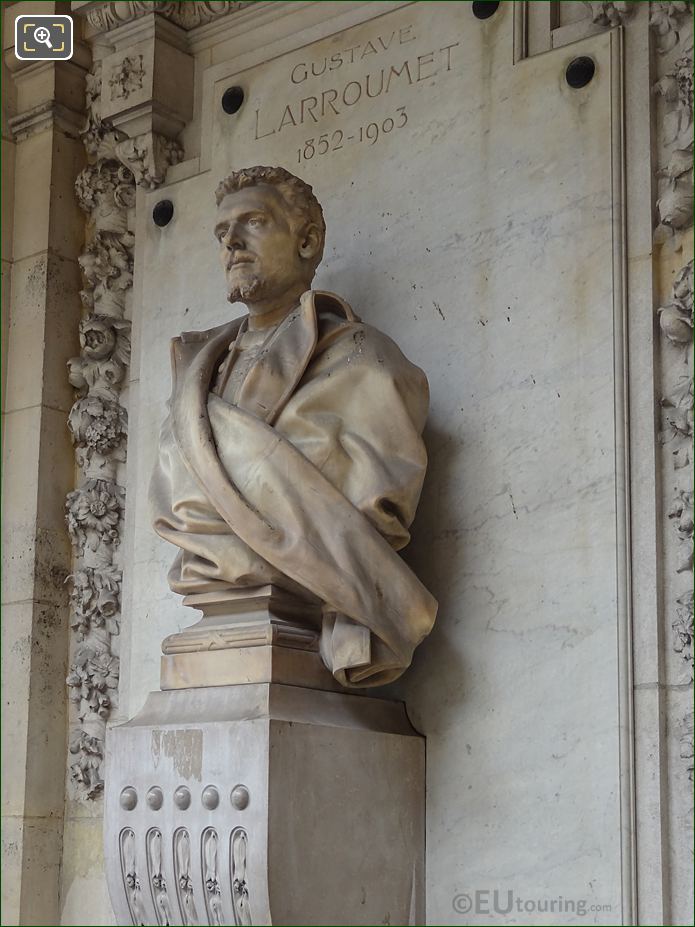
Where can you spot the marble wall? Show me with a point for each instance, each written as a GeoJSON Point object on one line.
{"type": "Point", "coordinates": [471, 215]}
{"type": "Point", "coordinates": [525, 242]}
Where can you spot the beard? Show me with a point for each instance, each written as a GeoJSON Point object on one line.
{"type": "Point", "coordinates": [243, 291]}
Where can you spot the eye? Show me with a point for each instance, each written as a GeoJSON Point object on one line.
{"type": "Point", "coordinates": [255, 221]}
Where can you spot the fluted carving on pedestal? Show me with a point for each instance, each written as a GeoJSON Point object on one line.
{"type": "Point", "coordinates": [183, 878]}
{"type": "Point", "coordinates": [238, 846]}
{"type": "Point", "coordinates": [158, 882]}
{"type": "Point", "coordinates": [131, 877]}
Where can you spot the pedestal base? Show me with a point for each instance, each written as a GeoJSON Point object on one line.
{"type": "Point", "coordinates": [243, 665]}
{"type": "Point", "coordinates": [265, 804]}
{"type": "Point", "coordinates": [247, 636]}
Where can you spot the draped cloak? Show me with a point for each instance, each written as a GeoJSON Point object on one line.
{"type": "Point", "coordinates": [310, 480]}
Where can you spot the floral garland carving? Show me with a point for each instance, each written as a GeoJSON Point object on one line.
{"type": "Point", "coordinates": [672, 23]}
{"type": "Point", "coordinates": [676, 323]}
{"type": "Point", "coordinates": [610, 13]}
{"type": "Point", "coordinates": [98, 423]}
{"type": "Point", "coordinates": [669, 19]}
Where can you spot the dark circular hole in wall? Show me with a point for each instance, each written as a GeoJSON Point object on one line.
{"type": "Point", "coordinates": [580, 71]}
{"type": "Point", "coordinates": [483, 9]}
{"type": "Point", "coordinates": [162, 213]}
{"type": "Point", "coordinates": [232, 99]}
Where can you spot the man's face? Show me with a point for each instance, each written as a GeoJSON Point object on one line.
{"type": "Point", "coordinates": [260, 241]}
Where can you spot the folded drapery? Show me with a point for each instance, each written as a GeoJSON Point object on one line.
{"type": "Point", "coordinates": [310, 481]}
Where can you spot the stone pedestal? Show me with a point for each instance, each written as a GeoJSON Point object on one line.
{"type": "Point", "coordinates": [265, 804]}
{"type": "Point", "coordinates": [253, 635]}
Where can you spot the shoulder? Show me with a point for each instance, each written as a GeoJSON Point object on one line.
{"type": "Point", "coordinates": [366, 366]}
{"type": "Point", "coordinates": [189, 345]}
{"type": "Point", "coordinates": [207, 335]}
{"type": "Point", "coordinates": [361, 345]}
{"type": "Point", "coordinates": [339, 325]}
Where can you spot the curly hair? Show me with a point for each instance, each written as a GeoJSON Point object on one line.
{"type": "Point", "coordinates": [296, 193]}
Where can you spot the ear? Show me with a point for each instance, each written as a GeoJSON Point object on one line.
{"type": "Point", "coordinates": [309, 242]}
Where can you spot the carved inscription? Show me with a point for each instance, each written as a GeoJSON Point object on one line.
{"type": "Point", "coordinates": [333, 86]}
{"type": "Point", "coordinates": [369, 134]}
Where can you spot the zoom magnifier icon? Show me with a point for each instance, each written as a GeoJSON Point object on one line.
{"type": "Point", "coordinates": [40, 37]}
{"type": "Point", "coordinates": [43, 36]}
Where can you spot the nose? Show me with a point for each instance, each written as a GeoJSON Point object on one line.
{"type": "Point", "coordinates": [232, 240]}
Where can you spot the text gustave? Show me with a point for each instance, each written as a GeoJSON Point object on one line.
{"type": "Point", "coordinates": [409, 70]}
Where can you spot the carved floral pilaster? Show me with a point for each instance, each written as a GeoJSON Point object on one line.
{"type": "Point", "coordinates": [672, 24]}
{"type": "Point", "coordinates": [675, 202]}
{"type": "Point", "coordinates": [139, 96]}
{"type": "Point", "coordinates": [98, 423]}
{"type": "Point", "coordinates": [672, 29]}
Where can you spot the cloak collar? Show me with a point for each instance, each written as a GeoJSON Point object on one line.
{"type": "Point", "coordinates": [266, 388]}
{"type": "Point", "coordinates": [274, 376]}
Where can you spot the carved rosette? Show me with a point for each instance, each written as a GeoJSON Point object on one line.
{"type": "Point", "coordinates": [127, 78]}
{"type": "Point", "coordinates": [672, 29]}
{"type": "Point", "coordinates": [98, 423]}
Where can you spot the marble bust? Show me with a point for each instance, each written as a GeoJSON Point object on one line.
{"type": "Point", "coordinates": [292, 454]}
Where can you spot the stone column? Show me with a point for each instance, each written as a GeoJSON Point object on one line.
{"type": "Point", "coordinates": [43, 315]}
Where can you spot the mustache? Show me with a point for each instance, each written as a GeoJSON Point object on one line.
{"type": "Point", "coordinates": [239, 257]}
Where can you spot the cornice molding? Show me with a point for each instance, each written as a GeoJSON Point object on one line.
{"type": "Point", "coordinates": [100, 16]}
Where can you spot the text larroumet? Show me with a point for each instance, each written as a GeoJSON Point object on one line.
{"type": "Point", "coordinates": [341, 98]}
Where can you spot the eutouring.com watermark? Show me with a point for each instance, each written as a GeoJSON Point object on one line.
{"type": "Point", "coordinates": [496, 901]}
